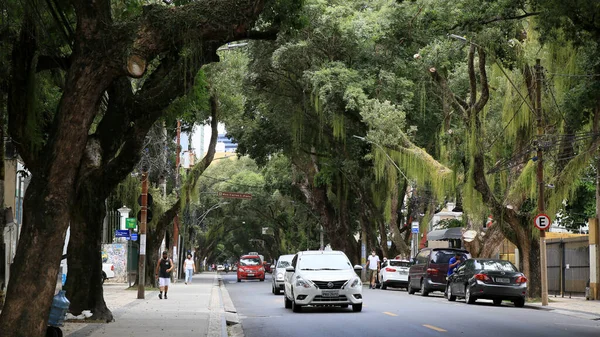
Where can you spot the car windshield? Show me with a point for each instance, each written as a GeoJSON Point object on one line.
{"type": "Point", "coordinates": [283, 264]}
{"type": "Point", "coordinates": [250, 261]}
{"type": "Point", "coordinates": [444, 256]}
{"type": "Point", "coordinates": [399, 264]}
{"type": "Point", "coordinates": [495, 265]}
{"type": "Point", "coordinates": [324, 262]}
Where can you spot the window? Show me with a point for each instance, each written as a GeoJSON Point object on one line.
{"type": "Point", "coordinates": [399, 264]}
{"type": "Point", "coordinates": [250, 261]}
{"type": "Point", "coordinates": [283, 264]}
{"type": "Point", "coordinates": [423, 257]}
{"type": "Point", "coordinates": [444, 256]}
{"type": "Point", "coordinates": [498, 265]}
{"type": "Point", "coordinates": [324, 262]}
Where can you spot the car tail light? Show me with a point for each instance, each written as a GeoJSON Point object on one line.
{"type": "Point", "coordinates": [390, 269]}
{"type": "Point", "coordinates": [112, 267]}
{"type": "Point", "coordinates": [432, 271]}
{"type": "Point", "coordinates": [482, 277]}
{"type": "Point", "coordinates": [521, 279]}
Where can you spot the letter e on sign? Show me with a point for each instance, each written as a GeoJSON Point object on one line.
{"type": "Point", "coordinates": [542, 221]}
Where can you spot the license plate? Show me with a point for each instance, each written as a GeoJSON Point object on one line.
{"type": "Point", "coordinates": [331, 293]}
{"type": "Point", "coordinates": [250, 274]}
{"type": "Point", "coordinates": [502, 280]}
{"type": "Point", "coordinates": [403, 272]}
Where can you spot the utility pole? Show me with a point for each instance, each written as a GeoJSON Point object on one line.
{"type": "Point", "coordinates": [176, 218]}
{"type": "Point", "coordinates": [540, 179]}
{"type": "Point", "coordinates": [144, 216]}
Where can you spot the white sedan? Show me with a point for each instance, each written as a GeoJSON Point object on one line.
{"type": "Point", "coordinates": [322, 278]}
{"type": "Point", "coordinates": [394, 273]}
{"type": "Point", "coordinates": [220, 268]}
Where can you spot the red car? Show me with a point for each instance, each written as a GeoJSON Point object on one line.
{"type": "Point", "coordinates": [250, 267]}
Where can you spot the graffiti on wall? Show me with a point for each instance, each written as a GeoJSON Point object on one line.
{"type": "Point", "coordinates": [116, 253]}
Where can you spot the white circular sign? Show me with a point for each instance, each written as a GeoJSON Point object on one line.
{"type": "Point", "coordinates": [542, 221]}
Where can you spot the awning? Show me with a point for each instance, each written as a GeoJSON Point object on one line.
{"type": "Point", "coordinates": [445, 234]}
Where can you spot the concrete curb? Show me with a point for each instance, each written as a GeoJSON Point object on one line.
{"type": "Point", "coordinates": [224, 320]}
{"type": "Point", "coordinates": [567, 312]}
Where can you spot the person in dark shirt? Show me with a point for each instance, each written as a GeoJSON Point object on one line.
{"type": "Point", "coordinates": [163, 273]}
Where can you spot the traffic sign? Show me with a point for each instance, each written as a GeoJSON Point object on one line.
{"type": "Point", "coordinates": [134, 236]}
{"type": "Point", "coordinates": [150, 200]}
{"type": "Point", "coordinates": [130, 223]}
{"type": "Point", "coordinates": [148, 216]}
{"type": "Point", "coordinates": [542, 221]}
{"type": "Point", "coordinates": [415, 227]}
{"type": "Point", "coordinates": [122, 233]}
{"type": "Point", "coordinates": [234, 195]}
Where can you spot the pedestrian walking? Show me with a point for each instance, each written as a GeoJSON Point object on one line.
{"type": "Point", "coordinates": [190, 268]}
{"type": "Point", "coordinates": [163, 272]}
{"type": "Point", "coordinates": [373, 265]}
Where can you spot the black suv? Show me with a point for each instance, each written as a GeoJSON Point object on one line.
{"type": "Point", "coordinates": [430, 268]}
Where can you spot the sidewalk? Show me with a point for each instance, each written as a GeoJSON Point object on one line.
{"type": "Point", "coordinates": [191, 310]}
{"type": "Point", "coordinates": [576, 306]}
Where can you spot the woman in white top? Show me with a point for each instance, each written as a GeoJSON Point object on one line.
{"type": "Point", "coordinates": [190, 268]}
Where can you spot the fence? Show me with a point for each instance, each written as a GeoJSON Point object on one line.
{"type": "Point", "coordinates": [111, 223]}
{"type": "Point", "coordinates": [568, 264]}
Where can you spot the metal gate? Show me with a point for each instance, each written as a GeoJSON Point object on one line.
{"type": "Point", "coordinates": [568, 264]}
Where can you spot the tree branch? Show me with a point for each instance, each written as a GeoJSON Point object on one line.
{"type": "Point", "coordinates": [485, 89]}
{"type": "Point", "coordinates": [494, 19]}
{"type": "Point", "coordinates": [472, 78]}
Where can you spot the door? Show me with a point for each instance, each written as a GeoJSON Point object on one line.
{"type": "Point", "coordinates": [289, 276]}
{"type": "Point", "coordinates": [417, 271]}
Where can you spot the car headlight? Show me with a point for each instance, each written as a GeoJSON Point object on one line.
{"type": "Point", "coordinates": [300, 282]}
{"type": "Point", "coordinates": [261, 269]}
{"type": "Point", "coordinates": [355, 283]}
{"type": "Point", "coordinates": [241, 270]}
{"type": "Point", "coordinates": [280, 276]}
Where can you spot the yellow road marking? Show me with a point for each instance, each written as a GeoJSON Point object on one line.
{"type": "Point", "coordinates": [389, 314]}
{"type": "Point", "coordinates": [434, 328]}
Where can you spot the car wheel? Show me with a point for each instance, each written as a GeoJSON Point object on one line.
{"type": "Point", "coordinates": [423, 291]}
{"type": "Point", "coordinates": [383, 286]}
{"type": "Point", "coordinates": [272, 289]}
{"type": "Point", "coordinates": [470, 299]}
{"type": "Point", "coordinates": [239, 279]}
{"type": "Point", "coordinates": [296, 307]}
{"type": "Point", "coordinates": [357, 307]}
{"type": "Point", "coordinates": [277, 291]}
{"type": "Point", "coordinates": [497, 302]}
{"type": "Point", "coordinates": [53, 331]}
{"type": "Point", "coordinates": [409, 288]}
{"type": "Point", "coordinates": [519, 303]}
{"type": "Point", "coordinates": [103, 277]}
{"type": "Point", "coordinates": [286, 301]}
{"type": "Point", "coordinates": [262, 280]}
{"type": "Point", "coordinates": [449, 295]}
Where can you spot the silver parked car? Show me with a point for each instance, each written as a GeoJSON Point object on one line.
{"type": "Point", "coordinates": [278, 273]}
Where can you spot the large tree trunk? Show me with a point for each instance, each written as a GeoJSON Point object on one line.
{"type": "Point", "coordinates": [84, 281]}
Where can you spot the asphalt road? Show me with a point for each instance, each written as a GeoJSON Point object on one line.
{"type": "Point", "coordinates": [395, 313]}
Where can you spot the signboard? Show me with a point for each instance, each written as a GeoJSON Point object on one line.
{"type": "Point", "coordinates": [415, 227]}
{"type": "Point", "coordinates": [122, 233]}
{"type": "Point", "coordinates": [542, 221]}
{"type": "Point", "coordinates": [150, 200]}
{"type": "Point", "coordinates": [130, 223]}
{"type": "Point", "coordinates": [235, 195]}
{"type": "Point", "coordinates": [134, 236]}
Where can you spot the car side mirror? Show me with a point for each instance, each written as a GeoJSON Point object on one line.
{"type": "Point", "coordinates": [290, 269]}
{"type": "Point", "coordinates": [358, 268]}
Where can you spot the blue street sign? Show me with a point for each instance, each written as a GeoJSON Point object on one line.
{"type": "Point", "coordinates": [134, 236]}
{"type": "Point", "coordinates": [122, 233]}
{"type": "Point", "coordinates": [415, 230]}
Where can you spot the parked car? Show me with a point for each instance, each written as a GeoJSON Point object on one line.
{"type": "Point", "coordinates": [220, 267]}
{"type": "Point", "coordinates": [250, 267]}
{"type": "Point", "coordinates": [278, 278]}
{"type": "Point", "coordinates": [489, 279]}
{"type": "Point", "coordinates": [322, 278]}
{"type": "Point", "coordinates": [394, 273]}
{"type": "Point", "coordinates": [430, 269]}
{"type": "Point", "coordinates": [108, 271]}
